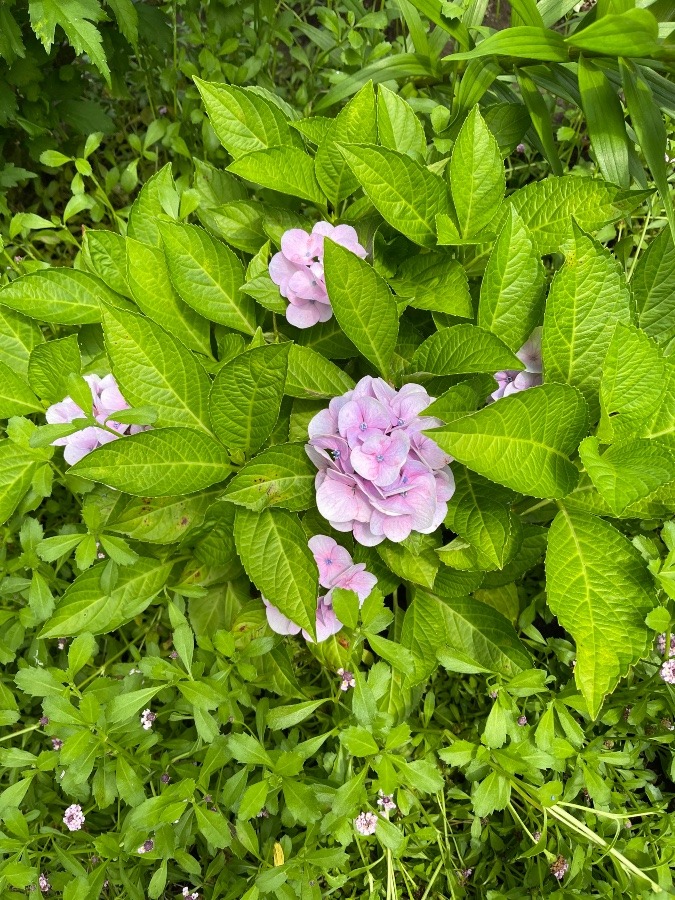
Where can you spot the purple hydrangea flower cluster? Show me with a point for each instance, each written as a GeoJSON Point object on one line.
{"type": "Point", "coordinates": [106, 400]}
{"type": "Point", "coordinates": [298, 270]}
{"type": "Point", "coordinates": [512, 381]}
{"type": "Point", "coordinates": [336, 570]}
{"type": "Point", "coordinates": [379, 476]}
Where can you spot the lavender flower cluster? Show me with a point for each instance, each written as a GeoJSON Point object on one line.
{"type": "Point", "coordinates": [379, 476]}
{"type": "Point", "coordinates": [336, 570]}
{"type": "Point", "coordinates": [511, 381]}
{"type": "Point", "coordinates": [106, 401]}
{"type": "Point", "coordinates": [298, 270]}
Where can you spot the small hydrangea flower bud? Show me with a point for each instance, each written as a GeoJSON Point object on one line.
{"type": "Point", "coordinates": [522, 720]}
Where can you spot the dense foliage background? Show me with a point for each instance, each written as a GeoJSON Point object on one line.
{"type": "Point", "coordinates": [502, 701]}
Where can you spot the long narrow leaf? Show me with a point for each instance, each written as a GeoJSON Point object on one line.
{"type": "Point", "coordinates": [606, 125]}
{"type": "Point", "coordinates": [541, 119]}
{"type": "Point", "coordinates": [650, 130]}
{"type": "Point", "coordinates": [405, 65]}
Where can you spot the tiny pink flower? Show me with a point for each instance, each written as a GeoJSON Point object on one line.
{"type": "Point", "coordinates": [667, 671]}
{"type": "Point", "coordinates": [365, 823]}
{"type": "Point", "coordinates": [43, 883]}
{"type": "Point", "coordinates": [57, 743]}
{"type": "Point", "coordinates": [522, 720]}
{"type": "Point", "coordinates": [385, 802]}
{"type": "Point", "coordinates": [147, 847]}
{"type": "Point", "coordinates": [73, 817]}
{"type": "Point", "coordinates": [380, 458]}
{"type": "Point", "coordinates": [348, 680]}
{"type": "Point", "coordinates": [559, 868]}
{"type": "Point", "coordinates": [147, 718]}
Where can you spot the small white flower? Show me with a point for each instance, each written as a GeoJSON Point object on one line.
{"type": "Point", "coordinates": [147, 718]}
{"type": "Point", "coordinates": [385, 802]}
{"type": "Point", "coordinates": [365, 823]}
{"type": "Point", "coordinates": [74, 817]}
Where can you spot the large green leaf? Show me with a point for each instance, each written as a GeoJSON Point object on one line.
{"type": "Point", "coordinates": [245, 121]}
{"type": "Point", "coordinates": [397, 125]}
{"type": "Point", "coordinates": [18, 338]}
{"type": "Point", "coordinates": [273, 548]}
{"type": "Point", "coordinates": [311, 376]}
{"type": "Point", "coordinates": [512, 290]}
{"type": "Point", "coordinates": [653, 286]}
{"type": "Point", "coordinates": [355, 123]}
{"type": "Point", "coordinates": [405, 193]}
{"type": "Point", "coordinates": [87, 607]}
{"type": "Point", "coordinates": [588, 297]}
{"type": "Point", "coordinates": [62, 296]}
{"type": "Point", "coordinates": [162, 463]}
{"type": "Point", "coordinates": [632, 385]}
{"type": "Point", "coordinates": [363, 305]}
{"type": "Point", "coordinates": [606, 125]}
{"type": "Point", "coordinates": [477, 180]}
{"type": "Point", "coordinates": [246, 396]}
{"type": "Point", "coordinates": [160, 520]}
{"type": "Point", "coordinates": [632, 33]}
{"type": "Point", "coordinates": [480, 639]}
{"type": "Point", "coordinates": [153, 368]}
{"type": "Point", "coordinates": [599, 588]}
{"type": "Point", "coordinates": [628, 472]}
{"type": "Point", "coordinates": [288, 170]}
{"type": "Point", "coordinates": [480, 513]}
{"type": "Point", "coordinates": [462, 350]}
{"type": "Point", "coordinates": [51, 365]}
{"type": "Point", "coordinates": [279, 476]}
{"type": "Point", "coordinates": [436, 282]}
{"type": "Point", "coordinates": [208, 276]}
{"type": "Point", "coordinates": [523, 441]}
{"type": "Point", "coordinates": [16, 398]}
{"type": "Point", "coordinates": [154, 294]}
{"type": "Point", "coordinates": [522, 42]}
{"type": "Point", "coordinates": [158, 199]}
{"type": "Point", "coordinates": [548, 207]}
{"type": "Point", "coordinates": [17, 468]}
{"type": "Point", "coordinates": [105, 254]}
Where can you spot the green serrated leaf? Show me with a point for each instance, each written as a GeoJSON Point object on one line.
{"type": "Point", "coordinates": [273, 549]}
{"type": "Point", "coordinates": [153, 368]}
{"type": "Point", "coordinates": [462, 350]}
{"type": "Point", "coordinates": [363, 305]}
{"type": "Point", "coordinates": [512, 290]}
{"type": "Point", "coordinates": [162, 463]}
{"type": "Point", "coordinates": [288, 170]}
{"type": "Point", "coordinates": [246, 396]}
{"type": "Point", "coordinates": [208, 276]}
{"type": "Point", "coordinates": [282, 475]}
{"type": "Point", "coordinates": [522, 441]}
{"type": "Point", "coordinates": [60, 295]}
{"type": "Point", "coordinates": [476, 171]}
{"type": "Point", "coordinates": [588, 297]}
{"type": "Point", "coordinates": [85, 606]}
{"type": "Point", "coordinates": [599, 588]}
{"type": "Point", "coordinates": [405, 193]}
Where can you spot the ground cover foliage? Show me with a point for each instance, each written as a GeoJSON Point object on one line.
{"type": "Point", "coordinates": [462, 396]}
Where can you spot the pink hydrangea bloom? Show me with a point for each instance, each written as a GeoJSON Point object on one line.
{"type": "Point", "coordinates": [298, 270]}
{"type": "Point", "coordinates": [511, 381]}
{"type": "Point", "coordinates": [336, 569]}
{"type": "Point", "coordinates": [379, 476]}
{"type": "Point", "coordinates": [106, 401]}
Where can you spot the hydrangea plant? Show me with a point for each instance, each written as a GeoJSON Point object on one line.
{"type": "Point", "coordinates": [367, 371]}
